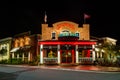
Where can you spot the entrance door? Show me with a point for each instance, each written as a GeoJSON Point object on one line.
{"type": "Point", "coordinates": [66, 56]}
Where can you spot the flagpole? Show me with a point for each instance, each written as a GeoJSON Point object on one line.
{"type": "Point", "coordinates": [45, 17]}
{"type": "Point", "coordinates": [84, 21]}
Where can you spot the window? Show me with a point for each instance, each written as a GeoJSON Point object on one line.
{"type": "Point", "coordinates": [27, 40]}
{"type": "Point", "coordinates": [65, 33]}
{"type": "Point", "coordinates": [21, 40]}
{"type": "Point", "coordinates": [53, 35]}
{"type": "Point", "coordinates": [77, 34]}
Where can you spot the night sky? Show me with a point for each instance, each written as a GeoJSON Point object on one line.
{"type": "Point", "coordinates": [22, 16]}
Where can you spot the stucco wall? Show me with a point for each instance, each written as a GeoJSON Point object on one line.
{"type": "Point", "coordinates": [6, 44]}
{"type": "Point", "coordinates": [65, 25]}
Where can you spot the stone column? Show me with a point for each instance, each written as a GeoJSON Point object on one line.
{"type": "Point", "coordinates": [13, 55]}
{"type": "Point", "coordinates": [93, 52]}
{"type": "Point", "coordinates": [29, 56]}
{"type": "Point", "coordinates": [77, 57]}
{"type": "Point", "coordinates": [101, 55]}
{"type": "Point", "coordinates": [58, 54]}
{"type": "Point", "coordinates": [17, 56]}
{"type": "Point", "coordinates": [97, 54]}
{"type": "Point", "coordinates": [23, 57]}
{"type": "Point", "coordinates": [41, 54]}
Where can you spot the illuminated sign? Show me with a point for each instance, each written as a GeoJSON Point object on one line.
{"type": "Point", "coordinates": [68, 34]}
{"type": "Point", "coordinates": [65, 25]}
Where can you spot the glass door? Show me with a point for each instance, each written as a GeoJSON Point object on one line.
{"type": "Point", "coordinates": [66, 56]}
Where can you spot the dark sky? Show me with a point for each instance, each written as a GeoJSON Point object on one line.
{"type": "Point", "coordinates": [22, 16]}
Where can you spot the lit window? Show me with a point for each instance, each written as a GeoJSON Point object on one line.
{"type": "Point", "coordinates": [16, 44]}
{"type": "Point", "coordinates": [21, 42]}
{"type": "Point", "coordinates": [77, 34]}
{"type": "Point", "coordinates": [53, 35]}
{"type": "Point", "coordinates": [27, 40]}
{"type": "Point", "coordinates": [65, 33]}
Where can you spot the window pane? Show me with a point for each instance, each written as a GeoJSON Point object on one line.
{"type": "Point", "coordinates": [53, 35]}
{"type": "Point", "coordinates": [77, 34]}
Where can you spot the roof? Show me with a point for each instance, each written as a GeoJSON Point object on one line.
{"type": "Point", "coordinates": [4, 39]}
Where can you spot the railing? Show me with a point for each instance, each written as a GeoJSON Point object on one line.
{"type": "Point", "coordinates": [47, 60]}
{"type": "Point", "coordinates": [100, 60]}
{"type": "Point", "coordinates": [85, 59]}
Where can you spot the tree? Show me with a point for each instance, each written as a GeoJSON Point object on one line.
{"type": "Point", "coordinates": [117, 48]}
{"type": "Point", "coordinates": [3, 51]}
{"type": "Point", "coordinates": [110, 52]}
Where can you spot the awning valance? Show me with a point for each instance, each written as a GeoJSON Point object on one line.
{"type": "Point", "coordinates": [14, 49]}
{"type": "Point", "coordinates": [27, 46]}
{"type": "Point", "coordinates": [67, 42]}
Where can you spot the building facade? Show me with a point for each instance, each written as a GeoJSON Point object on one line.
{"type": "Point", "coordinates": [66, 43]}
{"type": "Point", "coordinates": [5, 46]}
{"type": "Point", "coordinates": [105, 49]}
{"type": "Point", "coordinates": [24, 46]}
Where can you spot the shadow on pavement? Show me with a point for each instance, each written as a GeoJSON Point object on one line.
{"type": "Point", "coordinates": [7, 76]}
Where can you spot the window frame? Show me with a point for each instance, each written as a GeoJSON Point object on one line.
{"type": "Point", "coordinates": [77, 33]}
{"type": "Point", "coordinates": [53, 37]}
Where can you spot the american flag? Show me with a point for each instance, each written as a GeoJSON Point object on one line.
{"type": "Point", "coordinates": [86, 16]}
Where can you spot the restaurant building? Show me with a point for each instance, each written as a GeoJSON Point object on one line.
{"type": "Point", "coordinates": [24, 47]}
{"type": "Point", "coordinates": [66, 42]}
{"type": "Point", "coordinates": [5, 46]}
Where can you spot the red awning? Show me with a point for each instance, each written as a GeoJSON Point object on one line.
{"type": "Point", "coordinates": [63, 43]}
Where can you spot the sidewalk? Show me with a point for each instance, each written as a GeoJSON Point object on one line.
{"type": "Point", "coordinates": [84, 68]}
{"type": "Point", "coordinates": [72, 68]}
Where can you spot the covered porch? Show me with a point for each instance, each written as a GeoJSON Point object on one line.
{"type": "Point", "coordinates": [63, 52]}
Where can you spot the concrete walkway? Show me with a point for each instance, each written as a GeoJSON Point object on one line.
{"type": "Point", "coordinates": [84, 68]}
{"type": "Point", "coordinates": [72, 68]}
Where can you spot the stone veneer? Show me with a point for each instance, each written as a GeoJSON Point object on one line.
{"type": "Point", "coordinates": [65, 25]}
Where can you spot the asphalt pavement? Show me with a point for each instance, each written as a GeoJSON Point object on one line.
{"type": "Point", "coordinates": [72, 68]}
{"type": "Point", "coordinates": [58, 72]}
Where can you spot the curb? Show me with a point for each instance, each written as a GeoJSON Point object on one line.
{"type": "Point", "coordinates": [60, 68]}
{"type": "Point", "coordinates": [95, 71]}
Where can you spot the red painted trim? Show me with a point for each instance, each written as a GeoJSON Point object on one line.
{"type": "Point", "coordinates": [62, 43]}
{"type": "Point", "coordinates": [73, 56]}
{"type": "Point", "coordinates": [88, 53]}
